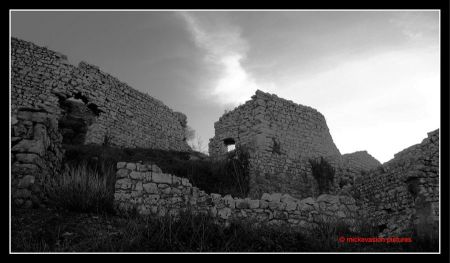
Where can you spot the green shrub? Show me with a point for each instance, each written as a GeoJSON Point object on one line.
{"type": "Point", "coordinates": [229, 175]}
{"type": "Point", "coordinates": [323, 172]}
{"type": "Point", "coordinates": [82, 188]}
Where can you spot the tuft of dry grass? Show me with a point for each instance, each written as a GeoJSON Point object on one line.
{"type": "Point", "coordinates": [82, 188]}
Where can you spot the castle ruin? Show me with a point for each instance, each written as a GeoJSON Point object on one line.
{"type": "Point", "coordinates": [281, 137]}
{"type": "Point", "coordinates": [54, 102]}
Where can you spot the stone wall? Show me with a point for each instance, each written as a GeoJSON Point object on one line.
{"type": "Point", "coordinates": [272, 124]}
{"type": "Point", "coordinates": [125, 117]}
{"type": "Point", "coordinates": [403, 194]}
{"type": "Point", "coordinates": [145, 189]}
{"type": "Point", "coordinates": [281, 137]}
{"type": "Point", "coordinates": [35, 153]}
{"type": "Point", "coordinates": [360, 160]}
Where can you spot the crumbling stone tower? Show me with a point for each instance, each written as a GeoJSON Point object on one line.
{"type": "Point", "coordinates": [281, 137]}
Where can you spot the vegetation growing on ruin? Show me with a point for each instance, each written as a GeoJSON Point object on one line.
{"type": "Point", "coordinates": [82, 187]}
{"type": "Point", "coordinates": [323, 172]}
{"type": "Point", "coordinates": [225, 176]}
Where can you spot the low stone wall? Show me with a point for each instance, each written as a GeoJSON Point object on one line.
{"type": "Point", "coordinates": [35, 152]}
{"type": "Point", "coordinates": [144, 188]}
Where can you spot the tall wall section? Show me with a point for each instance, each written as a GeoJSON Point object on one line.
{"type": "Point", "coordinates": [281, 137]}
{"type": "Point", "coordinates": [35, 153]}
{"type": "Point", "coordinates": [125, 117]}
{"type": "Point", "coordinates": [276, 125]}
{"type": "Point", "coordinates": [240, 125]}
{"type": "Point", "coordinates": [403, 194]}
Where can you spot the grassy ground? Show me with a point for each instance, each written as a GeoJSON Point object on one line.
{"type": "Point", "coordinates": [50, 230]}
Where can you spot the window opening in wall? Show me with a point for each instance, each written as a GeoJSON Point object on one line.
{"type": "Point", "coordinates": [230, 144]}
{"type": "Point", "coordinates": [77, 115]}
{"type": "Point", "coordinates": [231, 147]}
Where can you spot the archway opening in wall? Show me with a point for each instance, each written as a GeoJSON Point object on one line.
{"type": "Point", "coordinates": [230, 144]}
{"type": "Point", "coordinates": [76, 116]}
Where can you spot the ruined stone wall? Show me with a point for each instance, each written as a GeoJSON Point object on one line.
{"type": "Point", "coordinates": [403, 194]}
{"type": "Point", "coordinates": [145, 189]}
{"type": "Point", "coordinates": [281, 136]}
{"type": "Point", "coordinates": [125, 116]}
{"type": "Point", "coordinates": [239, 125]}
{"type": "Point", "coordinates": [35, 153]}
{"type": "Point", "coordinates": [360, 160]}
{"type": "Point", "coordinates": [275, 125]}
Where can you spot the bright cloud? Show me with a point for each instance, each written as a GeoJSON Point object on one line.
{"type": "Point", "coordinates": [381, 103]}
{"type": "Point", "coordinates": [225, 48]}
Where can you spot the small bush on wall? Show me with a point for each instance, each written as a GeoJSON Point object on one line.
{"type": "Point", "coordinates": [323, 172]}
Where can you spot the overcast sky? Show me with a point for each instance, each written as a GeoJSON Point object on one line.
{"type": "Point", "coordinates": [375, 75]}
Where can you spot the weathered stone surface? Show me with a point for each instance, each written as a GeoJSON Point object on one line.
{"type": "Point", "coordinates": [176, 180]}
{"type": "Point", "coordinates": [136, 175]}
{"type": "Point", "coordinates": [307, 204]}
{"type": "Point", "coordinates": [332, 199]}
{"type": "Point", "coordinates": [139, 187]}
{"type": "Point", "coordinates": [156, 169]}
{"type": "Point", "coordinates": [121, 196]}
{"type": "Point", "coordinates": [265, 197]}
{"type": "Point", "coordinates": [14, 120]}
{"type": "Point", "coordinates": [229, 201]}
{"type": "Point", "coordinates": [275, 197]}
{"type": "Point", "coordinates": [224, 213]}
{"type": "Point", "coordinates": [26, 181]}
{"type": "Point", "coordinates": [30, 146]}
{"type": "Point", "coordinates": [151, 188]}
{"type": "Point", "coordinates": [263, 204]}
{"type": "Point", "coordinates": [28, 158]}
{"type": "Point", "coordinates": [141, 167]}
{"type": "Point", "coordinates": [124, 184]}
{"type": "Point", "coordinates": [166, 190]}
{"type": "Point", "coordinates": [274, 205]}
{"type": "Point", "coordinates": [241, 204]}
{"type": "Point", "coordinates": [131, 166]}
{"type": "Point", "coordinates": [286, 198]}
{"type": "Point", "coordinates": [147, 176]}
{"type": "Point", "coordinates": [291, 205]}
{"type": "Point", "coordinates": [152, 199]}
{"type": "Point", "coordinates": [161, 178]}
{"type": "Point", "coordinates": [253, 204]}
{"type": "Point", "coordinates": [184, 181]}
{"type": "Point", "coordinates": [122, 173]}
{"type": "Point", "coordinates": [121, 165]}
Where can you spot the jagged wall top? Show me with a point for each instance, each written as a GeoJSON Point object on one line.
{"type": "Point", "coordinates": [41, 78]}
{"type": "Point", "coordinates": [266, 121]}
